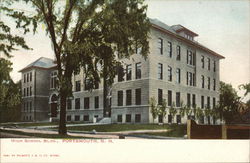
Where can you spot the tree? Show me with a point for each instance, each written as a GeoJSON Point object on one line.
{"type": "Point", "coordinates": [245, 87]}
{"type": "Point", "coordinates": [153, 107]}
{"type": "Point", "coordinates": [162, 109]}
{"type": "Point", "coordinates": [87, 33]}
{"type": "Point", "coordinates": [172, 111]}
{"type": "Point", "coordinates": [228, 103]}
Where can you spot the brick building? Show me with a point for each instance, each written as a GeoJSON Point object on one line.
{"type": "Point", "coordinates": [178, 69]}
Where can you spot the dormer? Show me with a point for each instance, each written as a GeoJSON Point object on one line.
{"type": "Point", "coordinates": [184, 32]}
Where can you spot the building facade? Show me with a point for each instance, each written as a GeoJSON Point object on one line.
{"type": "Point", "coordinates": [177, 69]}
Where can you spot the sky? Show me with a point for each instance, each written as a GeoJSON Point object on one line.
{"type": "Point", "coordinates": [222, 25]}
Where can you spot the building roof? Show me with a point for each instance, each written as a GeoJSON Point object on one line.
{"type": "Point", "coordinates": [174, 31]}
{"type": "Point", "coordinates": [44, 63]}
{"type": "Point", "coordinates": [178, 28]}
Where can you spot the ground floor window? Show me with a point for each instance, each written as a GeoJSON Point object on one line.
{"type": "Point", "coordinates": [119, 118]}
{"type": "Point", "coordinates": [68, 117]}
{"type": "Point", "coordinates": [201, 120]}
{"type": "Point", "coordinates": [214, 120]}
{"type": "Point", "coordinates": [208, 120]}
{"type": "Point", "coordinates": [178, 119]}
{"type": "Point", "coordinates": [85, 118]}
{"type": "Point", "coordinates": [137, 118]}
{"type": "Point", "coordinates": [169, 118]}
{"type": "Point", "coordinates": [160, 119]}
{"type": "Point", "coordinates": [128, 117]}
{"type": "Point", "coordinates": [77, 117]}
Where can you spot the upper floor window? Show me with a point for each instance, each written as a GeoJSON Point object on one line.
{"type": "Point", "coordinates": [178, 51]}
{"type": "Point", "coordinates": [160, 45]}
{"type": "Point", "coordinates": [178, 75]}
{"type": "Point", "coordinates": [160, 71]}
{"type": "Point", "coordinates": [138, 70]}
{"type": "Point", "coordinates": [27, 91]}
{"type": "Point", "coordinates": [202, 102]}
{"type": "Point", "coordinates": [214, 102]}
{"type": "Point", "coordinates": [138, 96]}
{"type": "Point", "coordinates": [208, 102]}
{"type": "Point", "coordinates": [128, 97]}
{"type": "Point", "coordinates": [169, 73]}
{"type": "Point", "coordinates": [188, 100]}
{"type": "Point", "coordinates": [24, 92]}
{"type": "Point", "coordinates": [30, 76]}
{"type": "Point", "coordinates": [190, 79]}
{"type": "Point", "coordinates": [214, 65]}
{"type": "Point", "coordinates": [53, 80]}
{"type": "Point", "coordinates": [78, 86]}
{"type": "Point", "coordinates": [96, 102]}
{"type": "Point", "coordinates": [87, 84]}
{"type": "Point", "coordinates": [202, 81]}
{"type": "Point", "coordinates": [214, 81]}
{"type": "Point", "coordinates": [190, 58]}
{"type": "Point", "coordinates": [208, 63]}
{"type": "Point", "coordinates": [24, 78]}
{"type": "Point", "coordinates": [69, 104]}
{"type": "Point", "coordinates": [86, 103]}
{"type": "Point", "coordinates": [30, 91]}
{"type": "Point", "coordinates": [77, 103]}
{"type": "Point", "coordinates": [193, 100]}
{"type": "Point", "coordinates": [169, 50]}
{"type": "Point", "coordinates": [120, 74]}
{"type": "Point", "coordinates": [202, 62]}
{"type": "Point", "coordinates": [208, 82]}
{"type": "Point", "coordinates": [129, 72]}
{"type": "Point", "coordinates": [120, 98]}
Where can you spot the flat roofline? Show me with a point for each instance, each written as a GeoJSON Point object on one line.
{"type": "Point", "coordinates": [187, 41]}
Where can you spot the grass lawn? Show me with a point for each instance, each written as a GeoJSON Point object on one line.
{"type": "Point", "coordinates": [36, 135]}
{"type": "Point", "coordinates": [36, 124]}
{"type": "Point", "coordinates": [127, 127]}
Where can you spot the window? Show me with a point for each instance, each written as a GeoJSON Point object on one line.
{"type": "Point", "coordinates": [120, 74]}
{"type": "Point", "coordinates": [24, 78]}
{"type": "Point", "coordinates": [169, 50]}
{"type": "Point", "coordinates": [24, 92]}
{"type": "Point", "coordinates": [30, 106]}
{"type": "Point", "coordinates": [214, 65]}
{"type": "Point", "coordinates": [188, 100]}
{"type": "Point", "coordinates": [208, 120]}
{"type": "Point", "coordinates": [190, 58]}
{"type": "Point", "coordinates": [77, 117]}
{"type": "Point", "coordinates": [178, 119]}
{"type": "Point", "coordinates": [53, 80]}
{"type": "Point", "coordinates": [214, 87]}
{"type": "Point", "coordinates": [160, 71]}
{"type": "Point", "coordinates": [137, 118]}
{"type": "Point", "coordinates": [96, 102]}
{"type": "Point", "coordinates": [119, 118]}
{"type": "Point", "coordinates": [138, 70]}
{"type": "Point", "coordinates": [86, 118]}
{"type": "Point", "coordinates": [68, 117]}
{"type": "Point", "coordinates": [193, 100]}
{"type": "Point", "coordinates": [169, 98]}
{"type": "Point", "coordinates": [202, 62]}
{"type": "Point", "coordinates": [128, 117]}
{"type": "Point", "coordinates": [190, 78]}
{"type": "Point", "coordinates": [69, 104]}
{"type": "Point", "coordinates": [214, 120]}
{"type": "Point", "coordinates": [138, 96]}
{"type": "Point", "coordinates": [201, 120]}
{"type": "Point", "coordinates": [169, 73]}
{"type": "Point", "coordinates": [129, 72]}
{"type": "Point", "coordinates": [160, 118]}
{"type": "Point", "coordinates": [208, 102]}
{"type": "Point", "coordinates": [208, 82]}
{"type": "Point", "coordinates": [160, 97]}
{"type": "Point", "coordinates": [178, 75]}
{"type": "Point", "coordinates": [27, 75]}
{"type": "Point", "coordinates": [77, 103]}
{"type": "Point", "coordinates": [214, 103]}
{"type": "Point", "coordinates": [86, 103]}
{"type": "Point", "coordinates": [30, 76]}
{"type": "Point", "coordinates": [208, 63]}
{"type": "Point", "coordinates": [178, 50]}
{"type": "Point", "coordinates": [78, 86]}
{"type": "Point", "coordinates": [87, 84]}
{"type": "Point", "coordinates": [169, 118]}
{"type": "Point", "coordinates": [30, 91]}
{"type": "Point", "coordinates": [202, 102]}
{"type": "Point", "coordinates": [27, 91]}
{"type": "Point", "coordinates": [202, 81]}
{"type": "Point", "coordinates": [120, 98]}
{"type": "Point", "coordinates": [128, 97]}
{"type": "Point", "coordinates": [178, 99]}
{"type": "Point", "coordinates": [160, 45]}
